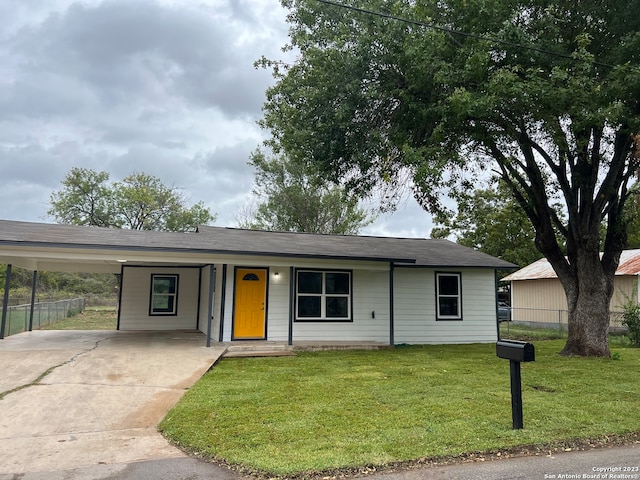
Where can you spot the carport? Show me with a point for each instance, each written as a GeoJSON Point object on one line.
{"type": "Point", "coordinates": [62, 248]}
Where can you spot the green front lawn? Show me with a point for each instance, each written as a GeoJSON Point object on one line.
{"type": "Point", "coordinates": [330, 410]}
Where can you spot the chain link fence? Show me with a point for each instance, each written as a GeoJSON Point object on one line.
{"type": "Point", "coordinates": [554, 323]}
{"type": "Point", "coordinates": [44, 313]}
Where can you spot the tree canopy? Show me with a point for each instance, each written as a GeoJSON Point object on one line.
{"type": "Point", "coordinates": [491, 221]}
{"type": "Point", "coordinates": [542, 94]}
{"type": "Point", "coordinates": [138, 202]}
{"type": "Point", "coordinates": [292, 197]}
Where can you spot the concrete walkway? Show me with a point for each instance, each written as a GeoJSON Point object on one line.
{"type": "Point", "coordinates": [84, 398]}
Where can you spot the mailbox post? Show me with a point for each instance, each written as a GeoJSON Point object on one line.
{"type": "Point", "coordinates": [516, 352]}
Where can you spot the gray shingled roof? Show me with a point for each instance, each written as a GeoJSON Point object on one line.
{"type": "Point", "coordinates": [232, 241]}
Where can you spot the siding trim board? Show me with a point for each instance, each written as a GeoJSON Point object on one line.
{"type": "Point", "coordinates": [210, 300]}
{"type": "Point", "coordinates": [200, 269]}
{"type": "Point", "coordinates": [292, 304]}
{"type": "Point", "coordinates": [223, 299]}
{"type": "Point", "coordinates": [391, 305]}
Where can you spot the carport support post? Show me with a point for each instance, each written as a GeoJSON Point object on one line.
{"type": "Point", "coordinates": [212, 280]}
{"type": "Point", "coordinates": [516, 395]}
{"type": "Point", "coordinates": [5, 304]}
{"type": "Point", "coordinates": [33, 298]}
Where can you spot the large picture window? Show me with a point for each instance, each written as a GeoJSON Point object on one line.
{"type": "Point", "coordinates": [323, 295]}
{"type": "Point", "coordinates": [164, 295]}
{"type": "Point", "coordinates": [448, 296]}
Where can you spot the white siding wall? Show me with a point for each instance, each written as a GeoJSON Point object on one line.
{"type": "Point", "coordinates": [278, 305]}
{"type": "Point", "coordinates": [136, 291]}
{"type": "Point", "coordinates": [414, 298]}
{"type": "Point", "coordinates": [370, 294]}
{"type": "Point", "coordinates": [415, 307]}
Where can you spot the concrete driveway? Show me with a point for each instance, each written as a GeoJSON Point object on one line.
{"type": "Point", "coordinates": [80, 398]}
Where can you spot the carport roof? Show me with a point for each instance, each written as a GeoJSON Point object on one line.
{"type": "Point", "coordinates": [231, 241]}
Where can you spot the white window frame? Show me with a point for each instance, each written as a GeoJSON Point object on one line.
{"type": "Point", "coordinates": [458, 296]}
{"type": "Point", "coordinates": [324, 296]}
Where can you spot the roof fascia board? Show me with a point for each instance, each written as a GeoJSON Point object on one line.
{"type": "Point", "coordinates": [452, 266]}
{"type": "Point", "coordinates": [121, 248]}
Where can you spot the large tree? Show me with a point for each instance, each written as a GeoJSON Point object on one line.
{"type": "Point", "coordinates": [291, 196]}
{"type": "Point", "coordinates": [544, 94]}
{"type": "Point", "coordinates": [139, 202]}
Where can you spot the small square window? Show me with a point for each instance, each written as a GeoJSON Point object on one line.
{"type": "Point", "coordinates": [164, 295]}
{"type": "Point", "coordinates": [337, 307]}
{"type": "Point", "coordinates": [310, 282]}
{"type": "Point", "coordinates": [337, 283]}
{"type": "Point", "coordinates": [309, 307]}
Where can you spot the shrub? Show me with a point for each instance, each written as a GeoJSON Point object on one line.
{"type": "Point", "coordinates": [631, 320]}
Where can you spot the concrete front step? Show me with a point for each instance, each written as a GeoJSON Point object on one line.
{"type": "Point", "coordinates": [258, 353]}
{"type": "Point", "coordinates": [258, 349]}
{"type": "Point", "coordinates": [276, 349]}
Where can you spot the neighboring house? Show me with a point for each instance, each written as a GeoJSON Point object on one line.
{"type": "Point", "coordinates": [251, 285]}
{"type": "Point", "coordinates": [538, 296]}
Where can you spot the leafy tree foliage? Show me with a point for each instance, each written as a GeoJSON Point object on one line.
{"type": "Point", "coordinates": [632, 213]}
{"type": "Point", "coordinates": [543, 93]}
{"type": "Point", "coordinates": [138, 202]}
{"type": "Point", "coordinates": [57, 285]}
{"type": "Point", "coordinates": [84, 200]}
{"type": "Point", "coordinates": [292, 197]}
{"type": "Point", "coordinates": [491, 221]}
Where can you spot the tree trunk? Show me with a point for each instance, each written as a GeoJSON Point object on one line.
{"type": "Point", "coordinates": [589, 294]}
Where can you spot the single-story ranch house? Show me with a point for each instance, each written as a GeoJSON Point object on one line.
{"type": "Point", "coordinates": [234, 284]}
{"type": "Point", "coordinates": [537, 295]}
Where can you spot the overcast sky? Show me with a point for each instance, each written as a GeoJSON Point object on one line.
{"type": "Point", "coordinates": [163, 87]}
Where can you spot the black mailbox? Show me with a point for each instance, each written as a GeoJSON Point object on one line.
{"type": "Point", "coordinates": [516, 350]}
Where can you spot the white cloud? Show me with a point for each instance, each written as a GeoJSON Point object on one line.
{"type": "Point", "coordinates": [165, 87]}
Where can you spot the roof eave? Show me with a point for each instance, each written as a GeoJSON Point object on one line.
{"type": "Point", "coordinates": [212, 251]}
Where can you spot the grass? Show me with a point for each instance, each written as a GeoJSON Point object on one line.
{"type": "Point", "coordinates": [323, 411]}
{"type": "Point", "coordinates": [522, 332]}
{"type": "Point", "coordinates": [92, 318]}
{"type": "Point", "coordinates": [516, 331]}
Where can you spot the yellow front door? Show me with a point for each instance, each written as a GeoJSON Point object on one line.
{"type": "Point", "coordinates": [251, 293]}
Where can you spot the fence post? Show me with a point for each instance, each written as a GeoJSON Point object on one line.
{"type": "Point", "coordinates": [5, 305]}
{"type": "Point", "coordinates": [560, 323]}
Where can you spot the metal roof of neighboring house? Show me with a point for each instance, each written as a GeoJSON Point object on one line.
{"type": "Point", "coordinates": [232, 241]}
{"type": "Point", "coordinates": [540, 269]}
